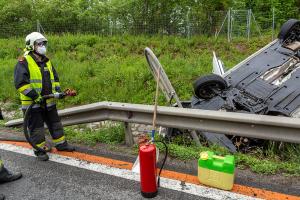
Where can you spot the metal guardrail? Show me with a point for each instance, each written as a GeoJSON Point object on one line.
{"type": "Point", "coordinates": [283, 129]}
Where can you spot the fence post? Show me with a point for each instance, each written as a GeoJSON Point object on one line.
{"type": "Point", "coordinates": [232, 15]}
{"type": "Point", "coordinates": [228, 25]}
{"type": "Point", "coordinates": [188, 23]}
{"type": "Point", "coordinates": [273, 22]}
{"type": "Point", "coordinates": [248, 23]}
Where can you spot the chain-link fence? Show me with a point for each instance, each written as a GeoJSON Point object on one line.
{"type": "Point", "coordinates": [243, 23]}
{"type": "Point", "coordinates": [231, 23]}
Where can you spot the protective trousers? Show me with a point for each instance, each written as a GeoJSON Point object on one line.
{"type": "Point", "coordinates": [36, 125]}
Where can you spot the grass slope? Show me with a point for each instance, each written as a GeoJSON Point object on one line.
{"type": "Point", "coordinates": [115, 69]}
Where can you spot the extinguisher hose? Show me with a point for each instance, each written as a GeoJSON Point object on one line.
{"type": "Point", "coordinates": [164, 161]}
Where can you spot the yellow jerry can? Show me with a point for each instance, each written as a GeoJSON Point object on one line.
{"type": "Point", "coordinates": [216, 171]}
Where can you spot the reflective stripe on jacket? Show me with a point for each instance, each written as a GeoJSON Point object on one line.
{"type": "Point", "coordinates": [36, 83]}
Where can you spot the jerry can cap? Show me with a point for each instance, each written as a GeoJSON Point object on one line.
{"type": "Point", "coordinates": [204, 155]}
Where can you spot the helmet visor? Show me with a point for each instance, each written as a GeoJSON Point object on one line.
{"type": "Point", "coordinates": [41, 43]}
{"type": "Point", "coordinates": [38, 41]}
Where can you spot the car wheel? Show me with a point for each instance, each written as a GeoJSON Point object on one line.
{"type": "Point", "coordinates": [289, 28]}
{"type": "Point", "coordinates": [207, 87]}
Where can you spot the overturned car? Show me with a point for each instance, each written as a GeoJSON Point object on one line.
{"type": "Point", "coordinates": [266, 82]}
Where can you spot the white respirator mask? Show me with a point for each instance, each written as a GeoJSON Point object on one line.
{"type": "Point", "coordinates": [41, 50]}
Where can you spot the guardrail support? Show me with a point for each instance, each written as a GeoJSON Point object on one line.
{"type": "Point", "coordinates": [128, 135]}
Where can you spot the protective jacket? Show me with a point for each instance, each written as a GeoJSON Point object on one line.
{"type": "Point", "coordinates": [35, 78]}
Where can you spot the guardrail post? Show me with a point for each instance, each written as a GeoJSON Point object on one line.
{"type": "Point", "coordinates": [128, 135]}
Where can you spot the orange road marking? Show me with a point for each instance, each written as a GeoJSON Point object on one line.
{"type": "Point", "coordinates": [240, 189]}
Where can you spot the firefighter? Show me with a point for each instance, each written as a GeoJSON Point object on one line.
{"type": "Point", "coordinates": [7, 176]}
{"type": "Point", "coordinates": [35, 76]}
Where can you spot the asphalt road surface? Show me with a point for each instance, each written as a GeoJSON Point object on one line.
{"type": "Point", "coordinates": [51, 180]}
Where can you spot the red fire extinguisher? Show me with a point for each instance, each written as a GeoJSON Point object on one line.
{"type": "Point", "coordinates": [150, 181]}
{"type": "Point", "coordinates": [148, 173]}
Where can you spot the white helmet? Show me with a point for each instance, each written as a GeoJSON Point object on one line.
{"type": "Point", "coordinates": [32, 38]}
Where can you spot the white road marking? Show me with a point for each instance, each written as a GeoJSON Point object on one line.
{"type": "Point", "coordinates": [189, 188]}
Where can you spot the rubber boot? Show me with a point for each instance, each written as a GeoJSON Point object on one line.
{"type": "Point", "coordinates": [41, 156]}
{"type": "Point", "coordinates": [7, 176]}
{"type": "Point", "coordinates": [2, 197]}
{"type": "Point", "coordinates": [65, 147]}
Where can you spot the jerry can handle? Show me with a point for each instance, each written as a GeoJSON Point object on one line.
{"type": "Point", "coordinates": [218, 157]}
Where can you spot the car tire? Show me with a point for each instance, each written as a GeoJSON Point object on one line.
{"type": "Point", "coordinates": [205, 86]}
{"type": "Point", "coordinates": [286, 28]}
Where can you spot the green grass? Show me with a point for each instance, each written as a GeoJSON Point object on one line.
{"type": "Point", "coordinates": [115, 69]}
{"type": "Point", "coordinates": [107, 135]}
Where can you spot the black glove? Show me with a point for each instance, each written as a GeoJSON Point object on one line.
{"type": "Point", "coordinates": [39, 100]}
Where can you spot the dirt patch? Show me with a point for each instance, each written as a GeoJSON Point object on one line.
{"type": "Point", "coordinates": [241, 48]}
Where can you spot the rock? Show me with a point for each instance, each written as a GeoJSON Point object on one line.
{"type": "Point", "coordinates": [135, 133]}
